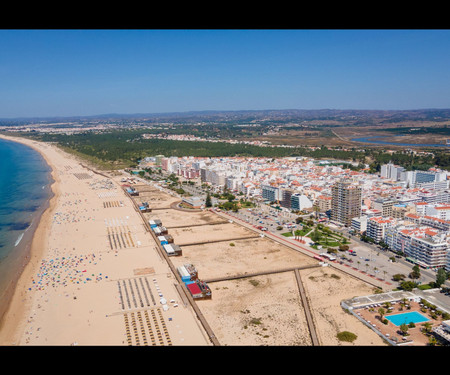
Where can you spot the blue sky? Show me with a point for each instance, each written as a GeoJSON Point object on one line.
{"type": "Point", "coordinates": [89, 72]}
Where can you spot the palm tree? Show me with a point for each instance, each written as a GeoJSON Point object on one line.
{"type": "Point", "coordinates": [404, 329]}
{"type": "Point", "coordinates": [381, 311]}
{"type": "Point", "coordinates": [432, 340]}
{"type": "Point", "coordinates": [427, 327]}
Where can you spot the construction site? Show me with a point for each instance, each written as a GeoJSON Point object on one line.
{"type": "Point", "coordinates": [248, 288]}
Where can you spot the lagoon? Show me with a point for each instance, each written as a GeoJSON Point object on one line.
{"type": "Point", "coordinates": [373, 139]}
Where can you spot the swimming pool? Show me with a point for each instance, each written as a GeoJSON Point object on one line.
{"type": "Point", "coordinates": [406, 318]}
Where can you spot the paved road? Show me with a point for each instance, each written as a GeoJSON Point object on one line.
{"type": "Point", "coordinates": [369, 257]}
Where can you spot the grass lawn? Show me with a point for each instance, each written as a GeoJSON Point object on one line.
{"type": "Point", "coordinates": [328, 239]}
{"type": "Point", "coordinates": [305, 230]}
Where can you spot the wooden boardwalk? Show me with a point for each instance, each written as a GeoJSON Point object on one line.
{"type": "Point", "coordinates": [309, 318]}
{"type": "Point", "coordinates": [187, 296]}
{"type": "Point", "coordinates": [304, 299]}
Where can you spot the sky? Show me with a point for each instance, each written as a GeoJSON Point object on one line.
{"type": "Point", "coordinates": [83, 72]}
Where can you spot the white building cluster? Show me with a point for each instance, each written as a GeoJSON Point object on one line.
{"type": "Point", "coordinates": [407, 210]}
{"type": "Point", "coordinates": [410, 212]}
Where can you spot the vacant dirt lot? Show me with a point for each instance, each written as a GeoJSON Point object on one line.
{"type": "Point", "coordinates": [174, 218]}
{"type": "Point", "coordinates": [262, 309]}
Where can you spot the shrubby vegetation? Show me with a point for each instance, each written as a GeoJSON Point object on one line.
{"type": "Point", "coordinates": [127, 147]}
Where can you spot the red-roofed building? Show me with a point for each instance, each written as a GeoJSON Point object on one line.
{"type": "Point", "coordinates": [422, 245]}
{"type": "Point", "coordinates": [194, 289]}
{"type": "Point", "coordinates": [376, 226]}
{"type": "Point", "coordinates": [199, 289]}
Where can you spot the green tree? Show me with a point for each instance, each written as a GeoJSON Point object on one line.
{"type": "Point", "coordinates": [398, 277]}
{"type": "Point", "coordinates": [208, 200]}
{"type": "Point", "coordinates": [415, 274]}
{"type": "Point", "coordinates": [427, 326]}
{"type": "Point", "coordinates": [408, 285]}
{"type": "Point", "coordinates": [315, 236]}
{"type": "Point", "coordinates": [441, 276]}
{"type": "Point", "coordinates": [404, 328]}
{"type": "Point", "coordinates": [381, 311]}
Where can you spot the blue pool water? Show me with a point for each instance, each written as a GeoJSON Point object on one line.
{"type": "Point", "coordinates": [408, 317]}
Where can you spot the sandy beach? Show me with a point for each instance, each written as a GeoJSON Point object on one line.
{"type": "Point", "coordinates": [76, 289]}
{"type": "Point", "coordinates": [96, 276]}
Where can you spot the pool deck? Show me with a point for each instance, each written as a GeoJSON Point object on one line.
{"type": "Point", "coordinates": [375, 299]}
{"type": "Point", "coordinates": [365, 308]}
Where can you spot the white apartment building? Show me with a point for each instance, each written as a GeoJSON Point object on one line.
{"type": "Point", "coordinates": [440, 211]}
{"type": "Point", "coordinates": [429, 249]}
{"type": "Point", "coordinates": [376, 227]}
{"type": "Point", "coordinates": [423, 245]}
{"type": "Point", "coordinates": [232, 183]}
{"type": "Point", "coordinates": [248, 188]}
{"type": "Point", "coordinates": [434, 195]}
{"type": "Point", "coordinates": [359, 224]}
{"type": "Point", "coordinates": [447, 266]}
{"type": "Point", "coordinates": [271, 193]}
{"type": "Point", "coordinates": [424, 179]}
{"type": "Point", "coordinates": [391, 171]}
{"type": "Point", "coordinates": [435, 222]}
{"type": "Point", "coordinates": [300, 202]}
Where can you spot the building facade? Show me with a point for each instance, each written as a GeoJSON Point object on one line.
{"type": "Point", "coordinates": [345, 202]}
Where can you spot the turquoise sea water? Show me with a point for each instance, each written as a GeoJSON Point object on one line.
{"type": "Point", "coordinates": [25, 189]}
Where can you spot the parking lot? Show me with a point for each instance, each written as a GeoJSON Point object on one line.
{"type": "Point", "coordinates": [369, 257]}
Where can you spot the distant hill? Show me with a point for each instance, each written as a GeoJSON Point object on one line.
{"type": "Point", "coordinates": [376, 116]}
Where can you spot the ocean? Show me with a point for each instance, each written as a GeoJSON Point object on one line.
{"type": "Point", "coordinates": [25, 190]}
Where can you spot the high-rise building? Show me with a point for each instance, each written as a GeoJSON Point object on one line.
{"type": "Point", "coordinates": [286, 195]}
{"type": "Point", "coordinates": [271, 193]}
{"type": "Point", "coordinates": [345, 202]}
{"type": "Point", "coordinates": [391, 171]}
{"type": "Point", "coordinates": [300, 202]}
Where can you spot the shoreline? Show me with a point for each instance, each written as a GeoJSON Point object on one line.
{"type": "Point", "coordinates": [94, 270]}
{"type": "Point", "coordinates": [33, 253]}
